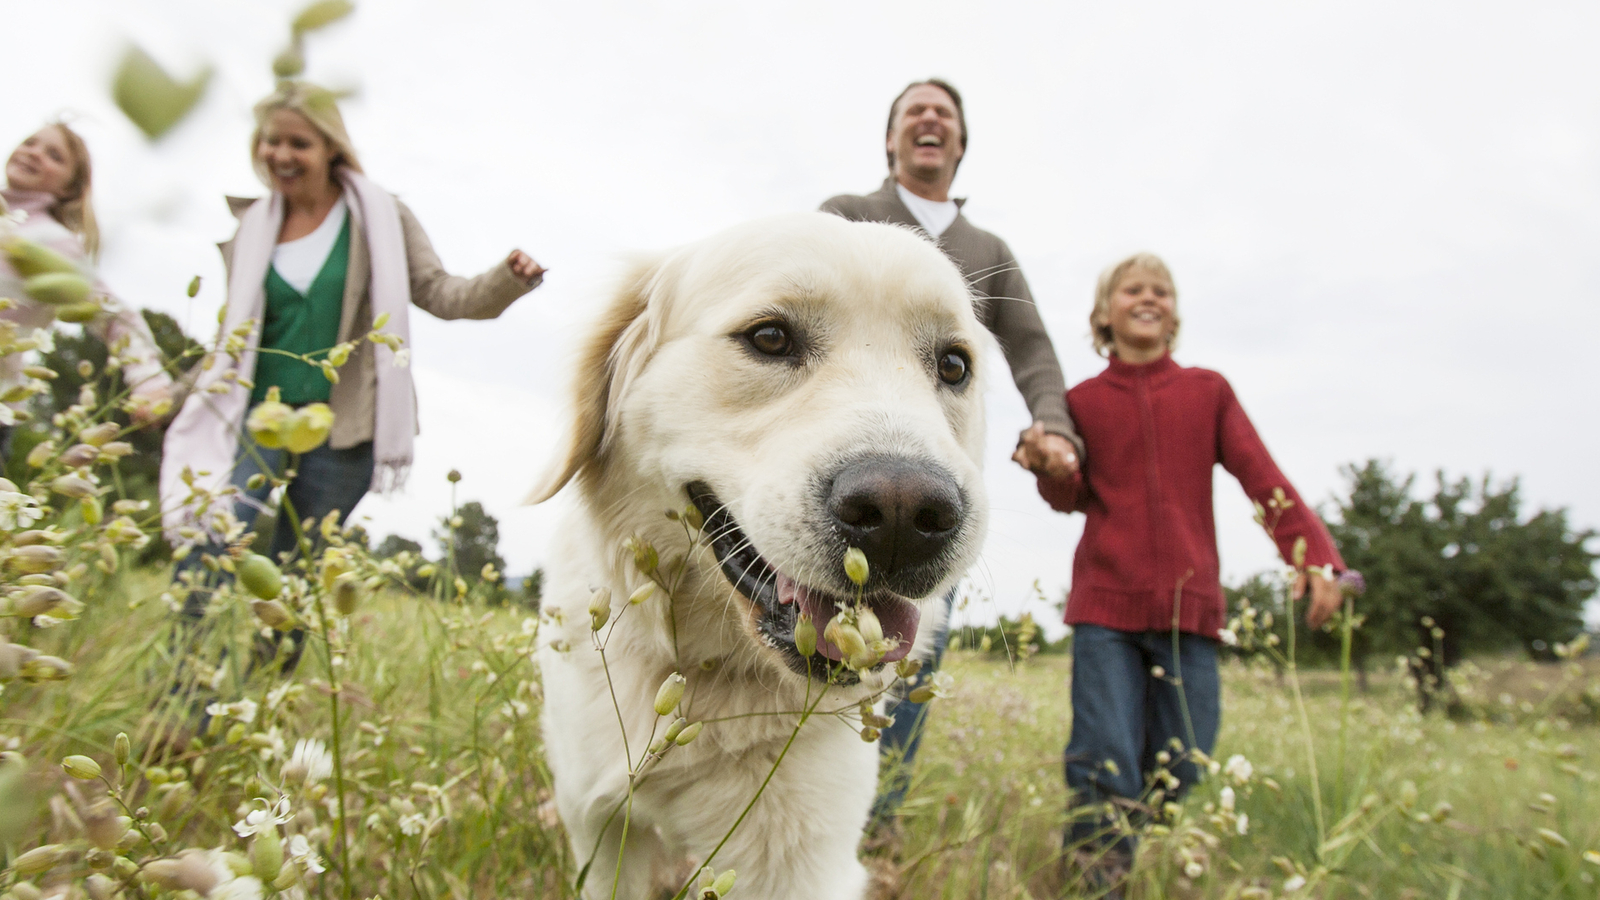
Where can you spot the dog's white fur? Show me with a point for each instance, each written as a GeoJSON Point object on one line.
{"type": "Point", "coordinates": [667, 395]}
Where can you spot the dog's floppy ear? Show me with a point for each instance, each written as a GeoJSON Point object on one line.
{"type": "Point", "coordinates": [615, 351]}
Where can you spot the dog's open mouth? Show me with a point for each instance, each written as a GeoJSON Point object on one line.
{"type": "Point", "coordinates": [779, 600]}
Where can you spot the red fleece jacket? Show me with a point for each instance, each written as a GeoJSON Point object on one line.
{"type": "Point", "coordinates": [1152, 433]}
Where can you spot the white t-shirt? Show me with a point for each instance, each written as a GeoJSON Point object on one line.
{"type": "Point", "coordinates": [933, 216]}
{"type": "Point", "coordinates": [298, 261]}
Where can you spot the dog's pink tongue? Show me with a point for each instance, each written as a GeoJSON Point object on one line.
{"type": "Point", "coordinates": [898, 617]}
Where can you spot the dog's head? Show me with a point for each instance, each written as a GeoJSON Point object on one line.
{"type": "Point", "coordinates": [809, 385]}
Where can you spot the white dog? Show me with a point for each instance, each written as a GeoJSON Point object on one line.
{"type": "Point", "coordinates": [807, 385]}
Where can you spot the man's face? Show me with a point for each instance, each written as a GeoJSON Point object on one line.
{"type": "Point", "coordinates": [926, 135]}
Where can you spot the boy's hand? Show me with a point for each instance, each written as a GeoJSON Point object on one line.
{"type": "Point", "coordinates": [1044, 453]}
{"type": "Point", "coordinates": [1325, 598]}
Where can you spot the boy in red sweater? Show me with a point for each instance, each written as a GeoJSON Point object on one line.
{"type": "Point", "coordinates": [1146, 602]}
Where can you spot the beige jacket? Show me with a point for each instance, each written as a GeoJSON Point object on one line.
{"type": "Point", "coordinates": [354, 399]}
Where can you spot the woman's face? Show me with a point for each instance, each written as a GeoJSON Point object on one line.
{"type": "Point", "coordinates": [296, 155]}
{"type": "Point", "coordinates": [43, 162]}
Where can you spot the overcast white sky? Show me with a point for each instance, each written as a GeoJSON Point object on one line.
{"type": "Point", "coordinates": [1383, 218]}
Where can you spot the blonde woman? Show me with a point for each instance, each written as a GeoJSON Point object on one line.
{"type": "Point", "coordinates": [315, 264]}
{"type": "Point", "coordinates": [48, 187]}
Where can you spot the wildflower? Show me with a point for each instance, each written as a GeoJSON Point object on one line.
{"type": "Point", "coordinates": [1553, 838]}
{"type": "Point", "coordinates": [1229, 637]}
{"type": "Point", "coordinates": [642, 593]}
{"type": "Point", "coordinates": [1591, 857]}
{"type": "Point", "coordinates": [1239, 769]}
{"type": "Point", "coordinates": [402, 358]}
{"type": "Point", "coordinates": [267, 421]}
{"type": "Point", "coordinates": [243, 710]}
{"type": "Point", "coordinates": [1193, 869]}
{"type": "Point", "coordinates": [689, 733]}
{"type": "Point", "coordinates": [855, 566]}
{"type": "Point", "coordinates": [39, 859]}
{"type": "Point", "coordinates": [412, 824]}
{"type": "Point", "coordinates": [1227, 799]}
{"type": "Point", "coordinates": [805, 636]}
{"type": "Point", "coordinates": [670, 693]}
{"type": "Point", "coordinates": [259, 820]}
{"type": "Point", "coordinates": [303, 856]}
{"type": "Point", "coordinates": [1243, 825]}
{"type": "Point", "coordinates": [1294, 884]}
{"type": "Point", "coordinates": [311, 762]}
{"type": "Point", "coordinates": [1352, 583]}
{"type": "Point", "coordinates": [259, 576]}
{"type": "Point", "coordinates": [307, 428]}
{"type": "Point", "coordinates": [81, 767]}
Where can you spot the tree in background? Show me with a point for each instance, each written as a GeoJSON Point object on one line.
{"type": "Point", "coordinates": [1459, 573]}
{"type": "Point", "coordinates": [473, 543]}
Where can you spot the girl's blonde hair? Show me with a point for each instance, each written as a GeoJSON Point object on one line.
{"type": "Point", "coordinates": [75, 207]}
{"type": "Point", "coordinates": [1100, 315]}
{"type": "Point", "coordinates": [320, 107]}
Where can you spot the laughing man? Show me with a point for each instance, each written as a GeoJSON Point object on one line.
{"type": "Point", "coordinates": [926, 140]}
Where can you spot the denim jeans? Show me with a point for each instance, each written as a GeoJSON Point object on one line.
{"type": "Point", "coordinates": [326, 480]}
{"type": "Point", "coordinates": [1123, 715]}
{"type": "Point", "coordinates": [897, 745]}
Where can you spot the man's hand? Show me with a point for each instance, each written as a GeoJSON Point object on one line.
{"type": "Point", "coordinates": [523, 266]}
{"type": "Point", "coordinates": [1325, 597]}
{"type": "Point", "coordinates": [1044, 453]}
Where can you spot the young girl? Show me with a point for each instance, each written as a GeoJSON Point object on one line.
{"type": "Point", "coordinates": [47, 186]}
{"type": "Point", "coordinates": [1146, 602]}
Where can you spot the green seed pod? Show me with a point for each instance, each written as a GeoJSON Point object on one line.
{"type": "Point", "coordinates": [307, 428]}
{"type": "Point", "coordinates": [122, 748]}
{"type": "Point", "coordinates": [908, 668]}
{"type": "Point", "coordinates": [29, 259]}
{"type": "Point", "coordinates": [291, 62]}
{"type": "Point", "coordinates": [79, 313]}
{"type": "Point", "coordinates": [272, 614]}
{"type": "Point", "coordinates": [1298, 553]}
{"type": "Point", "coordinates": [39, 859]}
{"type": "Point", "coordinates": [693, 518]}
{"type": "Point", "coordinates": [724, 882]}
{"type": "Point", "coordinates": [670, 693]}
{"type": "Point", "coordinates": [870, 734]}
{"type": "Point", "coordinates": [100, 887]}
{"type": "Point", "coordinates": [855, 566]}
{"type": "Point", "coordinates": [689, 733]}
{"type": "Point", "coordinates": [259, 576]}
{"type": "Point", "coordinates": [867, 623]}
{"type": "Point", "coordinates": [194, 286]}
{"type": "Point", "coordinates": [58, 288]}
{"type": "Point", "coordinates": [805, 636]}
{"type": "Point", "coordinates": [266, 855]}
{"type": "Point", "coordinates": [921, 694]}
{"type": "Point", "coordinates": [347, 593]}
{"type": "Point", "coordinates": [675, 728]}
{"type": "Point", "coordinates": [41, 453]}
{"type": "Point", "coordinates": [93, 512]}
{"type": "Point", "coordinates": [35, 559]}
{"type": "Point", "coordinates": [641, 593]}
{"type": "Point", "coordinates": [74, 486]}
{"type": "Point", "coordinates": [101, 434]}
{"type": "Point", "coordinates": [599, 609]}
{"type": "Point", "coordinates": [82, 768]}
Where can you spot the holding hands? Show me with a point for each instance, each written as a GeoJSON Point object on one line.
{"type": "Point", "coordinates": [1044, 453]}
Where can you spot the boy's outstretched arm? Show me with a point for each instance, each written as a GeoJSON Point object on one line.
{"type": "Point", "coordinates": [1246, 458]}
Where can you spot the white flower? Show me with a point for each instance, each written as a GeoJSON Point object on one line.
{"type": "Point", "coordinates": [300, 853]}
{"type": "Point", "coordinates": [246, 888]}
{"type": "Point", "coordinates": [515, 709]}
{"type": "Point", "coordinates": [243, 710]}
{"type": "Point", "coordinates": [402, 358]}
{"type": "Point", "coordinates": [1294, 884]}
{"type": "Point", "coordinates": [1194, 869]}
{"type": "Point", "coordinates": [1244, 823]}
{"type": "Point", "coordinates": [943, 683]}
{"type": "Point", "coordinates": [44, 340]}
{"type": "Point", "coordinates": [264, 819]}
{"type": "Point", "coordinates": [17, 510]}
{"type": "Point", "coordinates": [1228, 637]}
{"type": "Point", "coordinates": [1238, 768]}
{"type": "Point", "coordinates": [412, 824]}
{"type": "Point", "coordinates": [1227, 799]}
{"type": "Point", "coordinates": [8, 416]}
{"type": "Point", "coordinates": [310, 763]}
{"type": "Point", "coordinates": [46, 621]}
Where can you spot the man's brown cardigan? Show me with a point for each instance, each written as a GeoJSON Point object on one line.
{"type": "Point", "coordinates": [1004, 303]}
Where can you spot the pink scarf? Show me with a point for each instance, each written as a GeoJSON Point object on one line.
{"type": "Point", "coordinates": [204, 437]}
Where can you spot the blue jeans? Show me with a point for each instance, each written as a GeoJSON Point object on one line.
{"type": "Point", "coordinates": [1123, 715]}
{"type": "Point", "coordinates": [897, 746]}
{"type": "Point", "coordinates": [326, 480]}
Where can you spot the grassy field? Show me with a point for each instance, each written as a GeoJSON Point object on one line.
{"type": "Point", "coordinates": [446, 796]}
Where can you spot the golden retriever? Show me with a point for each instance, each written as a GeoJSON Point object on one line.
{"type": "Point", "coordinates": [801, 385]}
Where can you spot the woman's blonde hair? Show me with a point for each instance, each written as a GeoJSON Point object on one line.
{"type": "Point", "coordinates": [75, 207]}
{"type": "Point", "coordinates": [320, 107]}
{"type": "Point", "coordinates": [1100, 315]}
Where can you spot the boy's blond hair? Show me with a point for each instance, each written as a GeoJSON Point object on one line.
{"type": "Point", "coordinates": [320, 107]}
{"type": "Point", "coordinates": [1100, 315]}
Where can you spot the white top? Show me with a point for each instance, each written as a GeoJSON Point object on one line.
{"type": "Point", "coordinates": [933, 216]}
{"type": "Point", "coordinates": [298, 261]}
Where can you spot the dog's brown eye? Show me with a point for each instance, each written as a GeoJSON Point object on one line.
{"type": "Point", "coordinates": [772, 339]}
{"type": "Point", "coordinates": [953, 367]}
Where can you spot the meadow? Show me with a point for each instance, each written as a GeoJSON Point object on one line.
{"type": "Point", "coordinates": [439, 764]}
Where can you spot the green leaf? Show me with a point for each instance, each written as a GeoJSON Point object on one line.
{"type": "Point", "coordinates": [152, 99]}
{"type": "Point", "coordinates": [321, 14]}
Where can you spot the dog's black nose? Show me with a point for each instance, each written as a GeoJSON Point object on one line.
{"type": "Point", "coordinates": [900, 512]}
